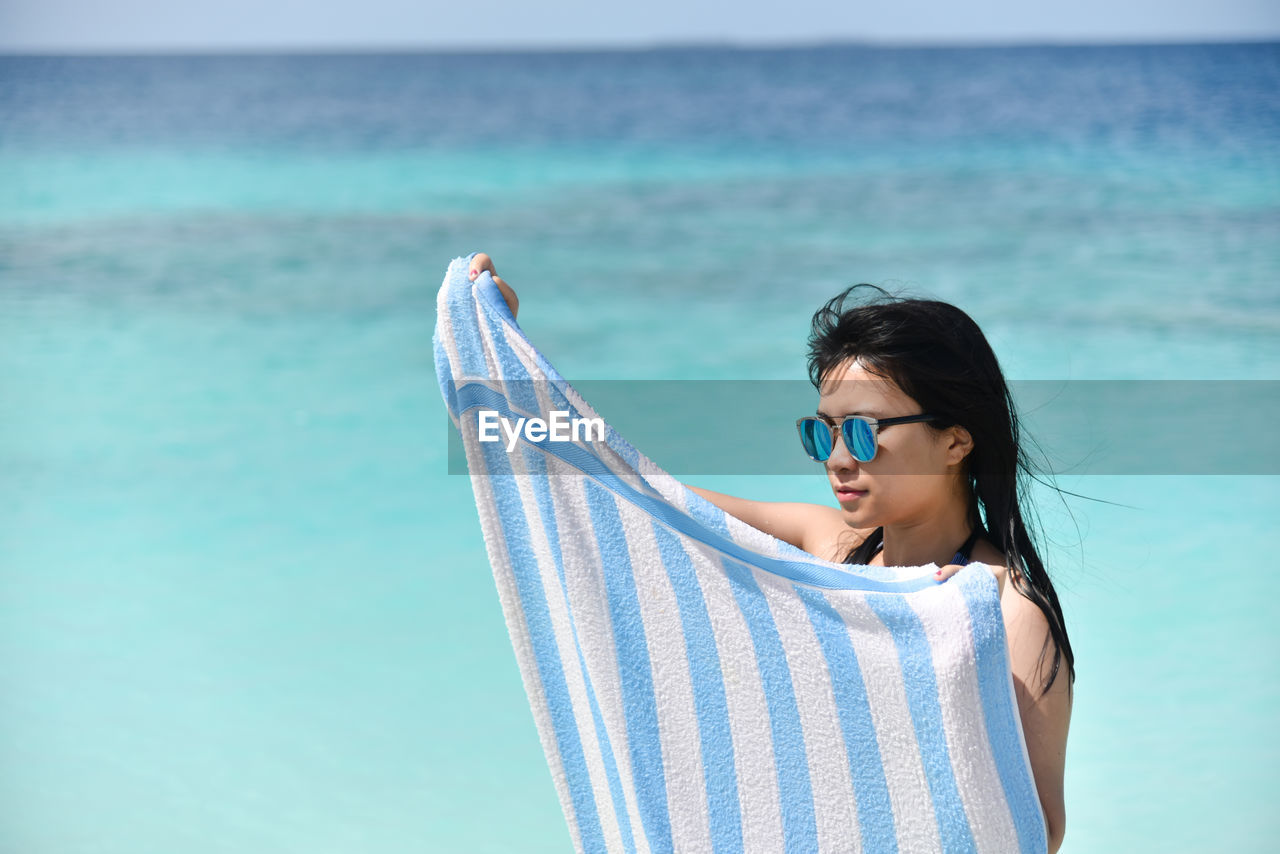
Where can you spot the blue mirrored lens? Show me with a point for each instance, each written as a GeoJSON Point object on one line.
{"type": "Point", "coordinates": [859, 439]}
{"type": "Point", "coordinates": [816, 438]}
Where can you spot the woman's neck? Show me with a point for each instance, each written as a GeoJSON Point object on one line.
{"type": "Point", "coordinates": [934, 540]}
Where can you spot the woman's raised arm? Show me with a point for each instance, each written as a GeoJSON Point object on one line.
{"type": "Point", "coordinates": [819, 530]}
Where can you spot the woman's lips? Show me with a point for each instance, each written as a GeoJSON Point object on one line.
{"type": "Point", "coordinates": [846, 494]}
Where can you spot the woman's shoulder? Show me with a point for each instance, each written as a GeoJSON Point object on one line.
{"type": "Point", "coordinates": [1026, 625]}
{"type": "Point", "coordinates": [984, 551]}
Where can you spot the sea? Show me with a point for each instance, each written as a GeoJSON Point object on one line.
{"type": "Point", "coordinates": [244, 606]}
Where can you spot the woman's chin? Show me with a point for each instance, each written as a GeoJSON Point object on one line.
{"type": "Point", "coordinates": [855, 516]}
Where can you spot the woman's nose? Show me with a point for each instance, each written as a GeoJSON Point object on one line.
{"type": "Point", "coordinates": [840, 459]}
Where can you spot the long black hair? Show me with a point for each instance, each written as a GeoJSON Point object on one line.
{"type": "Point", "coordinates": [939, 357]}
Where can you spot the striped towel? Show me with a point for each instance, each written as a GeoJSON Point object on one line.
{"type": "Point", "coordinates": [700, 686]}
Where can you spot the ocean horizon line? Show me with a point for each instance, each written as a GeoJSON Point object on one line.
{"type": "Point", "coordinates": [624, 47]}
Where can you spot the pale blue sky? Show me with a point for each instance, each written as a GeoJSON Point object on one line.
{"type": "Point", "coordinates": [80, 25]}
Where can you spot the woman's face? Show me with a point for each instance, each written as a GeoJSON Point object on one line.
{"type": "Point", "coordinates": [916, 470]}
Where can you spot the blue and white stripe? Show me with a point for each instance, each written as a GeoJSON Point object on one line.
{"type": "Point", "coordinates": [699, 686]}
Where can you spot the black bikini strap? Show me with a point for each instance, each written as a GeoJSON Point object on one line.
{"type": "Point", "coordinates": [962, 555]}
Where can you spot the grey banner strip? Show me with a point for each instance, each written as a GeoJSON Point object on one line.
{"type": "Point", "coordinates": [1085, 427]}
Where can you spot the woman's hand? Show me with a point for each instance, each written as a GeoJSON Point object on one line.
{"type": "Point", "coordinates": [482, 262]}
{"type": "Point", "coordinates": [1000, 572]}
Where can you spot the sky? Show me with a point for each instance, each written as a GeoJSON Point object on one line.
{"type": "Point", "coordinates": [160, 25]}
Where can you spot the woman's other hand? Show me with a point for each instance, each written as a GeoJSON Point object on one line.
{"type": "Point", "coordinates": [1000, 572]}
{"type": "Point", "coordinates": [482, 263]}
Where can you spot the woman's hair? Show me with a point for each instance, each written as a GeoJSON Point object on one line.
{"type": "Point", "coordinates": [939, 357]}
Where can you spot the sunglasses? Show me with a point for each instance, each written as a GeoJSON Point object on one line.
{"type": "Point", "coordinates": [818, 434]}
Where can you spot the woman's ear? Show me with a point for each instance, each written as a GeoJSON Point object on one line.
{"type": "Point", "coordinates": [959, 444]}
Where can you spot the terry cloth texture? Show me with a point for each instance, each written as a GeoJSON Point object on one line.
{"type": "Point", "coordinates": [699, 686]}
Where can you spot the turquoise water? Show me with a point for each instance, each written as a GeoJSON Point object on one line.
{"type": "Point", "coordinates": [242, 606]}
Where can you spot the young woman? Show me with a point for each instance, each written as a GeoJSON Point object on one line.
{"type": "Point", "coordinates": [919, 438]}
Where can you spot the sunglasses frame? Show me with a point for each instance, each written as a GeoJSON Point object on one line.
{"type": "Point", "coordinates": [837, 425]}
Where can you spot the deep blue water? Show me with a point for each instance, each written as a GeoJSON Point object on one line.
{"type": "Point", "coordinates": [243, 607]}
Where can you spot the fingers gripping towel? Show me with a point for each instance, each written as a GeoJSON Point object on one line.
{"type": "Point", "coordinates": [700, 686]}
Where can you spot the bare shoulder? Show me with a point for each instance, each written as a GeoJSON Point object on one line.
{"type": "Point", "coordinates": [1031, 646]}
{"type": "Point", "coordinates": [1020, 613]}
{"type": "Point", "coordinates": [984, 552]}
